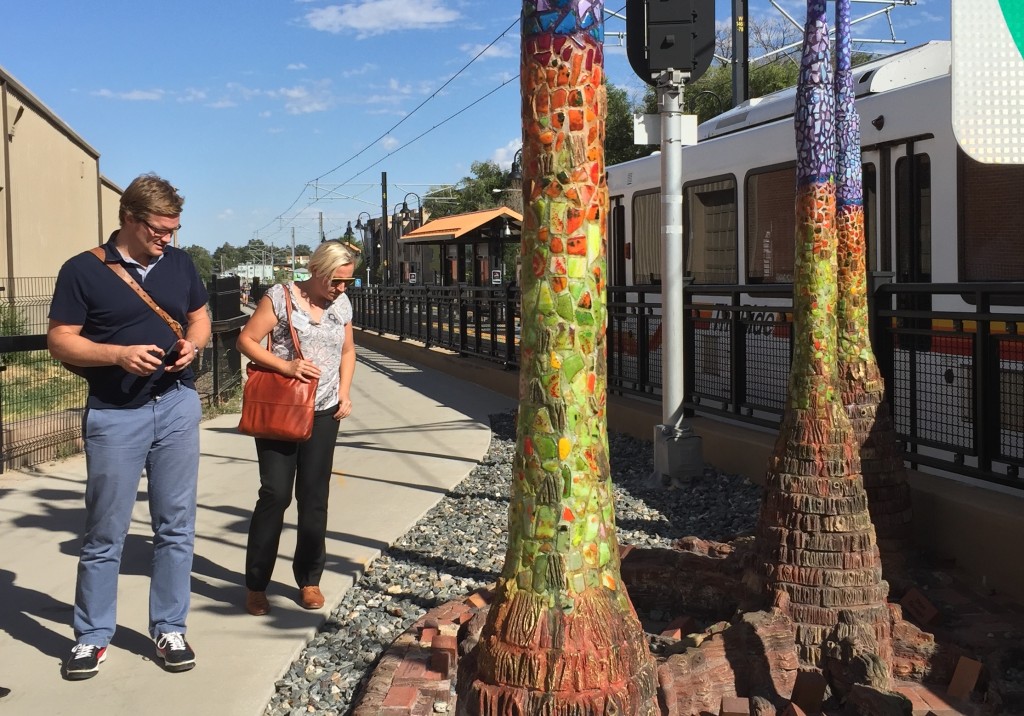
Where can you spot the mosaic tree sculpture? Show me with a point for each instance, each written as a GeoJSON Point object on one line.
{"type": "Point", "coordinates": [816, 545]}
{"type": "Point", "coordinates": [861, 384]}
{"type": "Point", "coordinates": [561, 635]}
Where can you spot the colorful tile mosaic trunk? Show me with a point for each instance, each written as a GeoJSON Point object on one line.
{"type": "Point", "coordinates": [815, 538]}
{"type": "Point", "coordinates": [861, 385]}
{"type": "Point", "coordinates": [562, 636]}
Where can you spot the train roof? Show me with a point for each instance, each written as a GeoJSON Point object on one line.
{"type": "Point", "coordinates": [899, 69]}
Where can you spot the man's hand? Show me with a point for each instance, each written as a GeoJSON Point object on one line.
{"type": "Point", "coordinates": [140, 360]}
{"type": "Point", "coordinates": [183, 352]}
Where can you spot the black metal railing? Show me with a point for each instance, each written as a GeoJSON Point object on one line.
{"type": "Point", "coordinates": [42, 403]}
{"type": "Point", "coordinates": [954, 374]}
{"type": "Point", "coordinates": [482, 322]}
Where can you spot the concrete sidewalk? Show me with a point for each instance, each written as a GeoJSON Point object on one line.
{"type": "Point", "coordinates": [414, 433]}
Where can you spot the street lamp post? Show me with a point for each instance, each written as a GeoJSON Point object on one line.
{"type": "Point", "coordinates": [367, 242]}
{"type": "Point", "coordinates": [407, 215]}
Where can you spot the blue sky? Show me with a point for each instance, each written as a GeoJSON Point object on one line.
{"type": "Point", "coordinates": [267, 114]}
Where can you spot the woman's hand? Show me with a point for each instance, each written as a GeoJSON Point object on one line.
{"type": "Point", "coordinates": [344, 408]}
{"type": "Point", "coordinates": [302, 370]}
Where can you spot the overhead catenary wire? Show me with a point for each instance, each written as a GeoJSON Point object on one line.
{"type": "Point", "coordinates": [281, 217]}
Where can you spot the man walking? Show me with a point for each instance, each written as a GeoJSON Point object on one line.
{"type": "Point", "coordinates": [134, 344]}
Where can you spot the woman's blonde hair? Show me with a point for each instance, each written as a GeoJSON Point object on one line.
{"type": "Point", "coordinates": [329, 257]}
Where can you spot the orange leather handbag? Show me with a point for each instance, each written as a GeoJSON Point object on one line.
{"type": "Point", "coordinates": [274, 406]}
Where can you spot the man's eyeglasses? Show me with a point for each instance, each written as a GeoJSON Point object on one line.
{"type": "Point", "coordinates": [335, 282]}
{"type": "Point", "coordinates": [158, 233]}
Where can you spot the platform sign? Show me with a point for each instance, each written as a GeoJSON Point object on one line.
{"type": "Point", "coordinates": [988, 79]}
{"type": "Point", "coordinates": [496, 277]}
{"type": "Point", "coordinates": [412, 278]}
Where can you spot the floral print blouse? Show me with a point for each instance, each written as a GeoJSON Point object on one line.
{"type": "Point", "coordinates": [321, 341]}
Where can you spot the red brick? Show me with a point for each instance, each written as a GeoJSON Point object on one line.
{"type": "Point", "coordinates": [964, 678]}
{"type": "Point", "coordinates": [734, 706]}
{"type": "Point", "coordinates": [918, 607]}
{"type": "Point", "coordinates": [479, 599]}
{"type": "Point", "coordinates": [916, 697]}
{"type": "Point", "coordinates": [450, 612]}
{"type": "Point", "coordinates": [937, 705]}
{"type": "Point", "coordinates": [680, 626]}
{"type": "Point", "coordinates": [443, 654]}
{"type": "Point", "coordinates": [809, 690]}
{"type": "Point", "coordinates": [403, 697]}
{"type": "Point", "coordinates": [410, 670]}
{"type": "Point", "coordinates": [427, 635]}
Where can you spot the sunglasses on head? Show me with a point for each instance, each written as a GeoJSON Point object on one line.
{"type": "Point", "coordinates": [338, 281]}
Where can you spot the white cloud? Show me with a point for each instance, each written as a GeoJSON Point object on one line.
{"type": "Point", "coordinates": [365, 69]}
{"type": "Point", "coordinates": [296, 66]}
{"type": "Point", "coordinates": [504, 49]}
{"type": "Point", "coordinates": [377, 17]}
{"type": "Point", "coordinates": [226, 214]}
{"type": "Point", "coordinates": [503, 156]}
{"type": "Point", "coordinates": [306, 99]}
{"type": "Point", "coordinates": [131, 95]}
{"type": "Point", "coordinates": [222, 104]}
{"type": "Point", "coordinates": [389, 143]}
{"type": "Point", "coordinates": [192, 95]}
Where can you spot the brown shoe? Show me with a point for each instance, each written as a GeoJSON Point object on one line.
{"type": "Point", "coordinates": [256, 603]}
{"type": "Point", "coordinates": [312, 598]}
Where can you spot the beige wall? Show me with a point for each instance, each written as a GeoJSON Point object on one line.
{"type": "Point", "coordinates": [110, 202]}
{"type": "Point", "coordinates": [55, 203]}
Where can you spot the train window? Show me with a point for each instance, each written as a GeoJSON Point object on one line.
{"type": "Point", "coordinates": [771, 223]}
{"type": "Point", "coordinates": [647, 238]}
{"type": "Point", "coordinates": [991, 217]}
{"type": "Point", "coordinates": [914, 246]}
{"type": "Point", "coordinates": [870, 182]}
{"type": "Point", "coordinates": [710, 232]}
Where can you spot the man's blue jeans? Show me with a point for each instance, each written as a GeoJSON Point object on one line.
{"type": "Point", "coordinates": [161, 437]}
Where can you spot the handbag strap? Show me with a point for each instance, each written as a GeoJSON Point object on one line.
{"type": "Point", "coordinates": [119, 270]}
{"type": "Point", "coordinates": [291, 326]}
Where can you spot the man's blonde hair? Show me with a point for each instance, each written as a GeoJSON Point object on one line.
{"type": "Point", "coordinates": [150, 195]}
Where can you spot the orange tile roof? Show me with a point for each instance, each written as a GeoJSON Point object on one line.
{"type": "Point", "coordinates": [449, 228]}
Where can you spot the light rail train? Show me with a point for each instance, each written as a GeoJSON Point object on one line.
{"type": "Point", "coordinates": [933, 216]}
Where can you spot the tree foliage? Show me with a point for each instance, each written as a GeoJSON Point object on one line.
{"type": "Point", "coordinates": [618, 143]}
{"type": "Point", "coordinates": [471, 193]}
{"type": "Point", "coordinates": [202, 259]}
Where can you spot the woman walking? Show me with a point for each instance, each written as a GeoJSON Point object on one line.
{"type": "Point", "coordinates": [322, 317]}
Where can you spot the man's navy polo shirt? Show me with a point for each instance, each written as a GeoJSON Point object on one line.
{"type": "Point", "coordinates": [90, 295]}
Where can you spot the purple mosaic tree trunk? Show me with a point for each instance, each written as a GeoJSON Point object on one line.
{"type": "Point", "coordinates": [816, 544]}
{"type": "Point", "coordinates": [561, 637]}
{"type": "Point", "coordinates": [861, 384]}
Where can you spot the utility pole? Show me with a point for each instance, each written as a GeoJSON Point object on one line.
{"type": "Point", "coordinates": [677, 448]}
{"type": "Point", "coordinates": [669, 44]}
{"type": "Point", "coordinates": [385, 274]}
{"type": "Point", "coordinates": [740, 52]}
{"type": "Point", "coordinates": [293, 252]}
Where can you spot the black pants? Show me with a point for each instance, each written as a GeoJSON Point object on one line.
{"type": "Point", "coordinates": [306, 467]}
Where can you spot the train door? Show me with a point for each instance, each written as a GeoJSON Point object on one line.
{"type": "Point", "coordinates": [616, 242]}
{"type": "Point", "coordinates": [911, 195]}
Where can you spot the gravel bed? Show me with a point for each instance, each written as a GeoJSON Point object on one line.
{"type": "Point", "coordinates": [459, 546]}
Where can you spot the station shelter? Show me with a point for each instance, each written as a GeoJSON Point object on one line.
{"type": "Point", "coordinates": [479, 248]}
